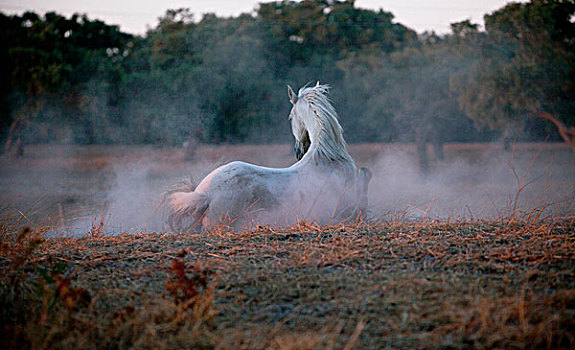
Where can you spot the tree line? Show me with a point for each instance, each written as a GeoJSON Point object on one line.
{"type": "Point", "coordinates": [215, 79]}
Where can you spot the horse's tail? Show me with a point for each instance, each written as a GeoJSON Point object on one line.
{"type": "Point", "coordinates": [185, 206]}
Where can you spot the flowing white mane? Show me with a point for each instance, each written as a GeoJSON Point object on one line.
{"type": "Point", "coordinates": [326, 134]}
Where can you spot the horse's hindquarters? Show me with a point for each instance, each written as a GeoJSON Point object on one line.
{"type": "Point", "coordinates": [241, 194]}
{"type": "Point", "coordinates": [187, 210]}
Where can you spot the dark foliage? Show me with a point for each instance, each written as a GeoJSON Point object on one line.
{"type": "Point", "coordinates": [222, 79]}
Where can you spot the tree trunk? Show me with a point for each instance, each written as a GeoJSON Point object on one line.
{"type": "Point", "coordinates": [421, 149]}
{"type": "Point", "coordinates": [507, 138]}
{"type": "Point", "coordinates": [437, 144]}
{"type": "Point", "coordinates": [567, 133]}
{"type": "Point", "coordinates": [14, 139]}
{"type": "Point", "coordinates": [190, 148]}
{"type": "Point", "coordinates": [19, 148]}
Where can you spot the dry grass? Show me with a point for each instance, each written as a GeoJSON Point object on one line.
{"type": "Point", "coordinates": [508, 283]}
{"type": "Point", "coordinates": [396, 285]}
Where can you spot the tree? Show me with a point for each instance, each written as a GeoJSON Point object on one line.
{"type": "Point", "coordinates": [526, 66]}
{"type": "Point", "coordinates": [311, 32]}
{"type": "Point", "coordinates": [88, 82]}
{"type": "Point", "coordinates": [51, 59]}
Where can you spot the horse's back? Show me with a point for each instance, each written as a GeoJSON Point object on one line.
{"type": "Point", "coordinates": [239, 190]}
{"type": "Point", "coordinates": [238, 176]}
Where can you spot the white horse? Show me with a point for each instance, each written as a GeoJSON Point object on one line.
{"type": "Point", "coordinates": [324, 186]}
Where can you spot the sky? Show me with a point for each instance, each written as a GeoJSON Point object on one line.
{"type": "Point", "coordinates": [136, 16]}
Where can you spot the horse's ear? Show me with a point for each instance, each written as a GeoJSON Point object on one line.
{"type": "Point", "coordinates": [292, 95]}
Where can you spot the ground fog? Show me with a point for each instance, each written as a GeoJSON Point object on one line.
{"type": "Point", "coordinates": [80, 190]}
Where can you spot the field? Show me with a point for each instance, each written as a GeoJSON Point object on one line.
{"type": "Point", "coordinates": [480, 253]}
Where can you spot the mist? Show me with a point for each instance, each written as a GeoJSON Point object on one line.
{"type": "Point", "coordinates": [478, 182]}
{"type": "Point", "coordinates": [77, 191]}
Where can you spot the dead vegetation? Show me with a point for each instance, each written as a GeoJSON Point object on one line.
{"type": "Point", "coordinates": [396, 285]}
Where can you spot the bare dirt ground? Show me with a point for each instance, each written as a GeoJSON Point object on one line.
{"type": "Point", "coordinates": [396, 281]}
{"type": "Point", "coordinates": [397, 285]}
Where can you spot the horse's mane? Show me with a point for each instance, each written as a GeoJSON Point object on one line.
{"type": "Point", "coordinates": [331, 146]}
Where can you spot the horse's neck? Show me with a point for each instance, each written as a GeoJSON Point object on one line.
{"type": "Point", "coordinates": [327, 151]}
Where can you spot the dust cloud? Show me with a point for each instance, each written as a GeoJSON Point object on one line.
{"type": "Point", "coordinates": [85, 190]}
{"type": "Point", "coordinates": [475, 182]}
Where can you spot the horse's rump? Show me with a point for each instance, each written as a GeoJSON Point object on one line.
{"type": "Point", "coordinates": [184, 205]}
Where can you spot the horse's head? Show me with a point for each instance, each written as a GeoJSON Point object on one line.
{"type": "Point", "coordinates": [318, 134]}
{"type": "Point", "coordinates": [310, 113]}
{"type": "Point", "coordinates": [301, 134]}
{"type": "Point", "coordinates": [301, 147]}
